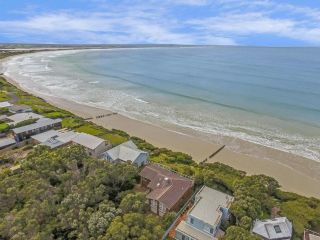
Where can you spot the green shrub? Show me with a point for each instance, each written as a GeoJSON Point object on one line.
{"type": "Point", "coordinates": [72, 122]}
{"type": "Point", "coordinates": [4, 127]}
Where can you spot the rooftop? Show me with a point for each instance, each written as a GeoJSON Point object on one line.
{"type": "Point", "coordinates": [20, 117]}
{"type": "Point", "coordinates": [87, 140]}
{"type": "Point", "coordinates": [16, 108]}
{"type": "Point", "coordinates": [167, 187]}
{"type": "Point", "coordinates": [6, 142]}
{"type": "Point", "coordinates": [5, 104]}
{"type": "Point", "coordinates": [311, 235]}
{"type": "Point", "coordinates": [40, 123]}
{"type": "Point", "coordinates": [276, 228]}
{"type": "Point", "coordinates": [207, 205]}
{"type": "Point", "coordinates": [126, 151]}
{"type": "Point", "coordinates": [185, 228]}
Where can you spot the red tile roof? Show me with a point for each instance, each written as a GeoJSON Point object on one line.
{"type": "Point", "coordinates": [167, 187]}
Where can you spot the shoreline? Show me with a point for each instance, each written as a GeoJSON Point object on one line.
{"type": "Point", "coordinates": [294, 173]}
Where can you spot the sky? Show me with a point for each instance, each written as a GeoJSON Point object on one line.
{"type": "Point", "coordinates": [208, 22]}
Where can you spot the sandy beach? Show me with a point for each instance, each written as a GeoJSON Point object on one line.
{"type": "Point", "coordinates": [294, 173]}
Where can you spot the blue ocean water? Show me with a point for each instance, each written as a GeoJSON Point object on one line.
{"type": "Point", "coordinates": [269, 96]}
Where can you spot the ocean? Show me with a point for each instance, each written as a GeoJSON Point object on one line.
{"type": "Point", "coordinates": [268, 96]}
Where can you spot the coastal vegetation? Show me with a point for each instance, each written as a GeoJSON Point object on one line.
{"type": "Point", "coordinates": [64, 194]}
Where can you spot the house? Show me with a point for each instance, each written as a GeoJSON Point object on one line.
{"type": "Point", "coordinates": [6, 142]}
{"type": "Point", "coordinates": [54, 138]}
{"type": "Point", "coordinates": [20, 117]}
{"type": "Point", "coordinates": [167, 191]}
{"type": "Point", "coordinates": [310, 235]}
{"type": "Point", "coordinates": [20, 109]}
{"type": "Point", "coordinates": [94, 146]}
{"type": "Point", "coordinates": [42, 125]}
{"type": "Point", "coordinates": [273, 229]}
{"type": "Point", "coordinates": [126, 152]}
{"type": "Point", "coordinates": [5, 104]}
{"type": "Point", "coordinates": [204, 218]}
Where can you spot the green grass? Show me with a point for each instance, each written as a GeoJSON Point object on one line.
{"type": "Point", "coordinates": [71, 122]}
{"type": "Point", "coordinates": [3, 96]}
{"type": "Point", "coordinates": [90, 129]}
{"type": "Point", "coordinates": [56, 114]}
{"type": "Point", "coordinates": [4, 127]}
{"type": "Point", "coordinates": [114, 139]}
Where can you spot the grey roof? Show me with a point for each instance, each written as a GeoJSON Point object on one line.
{"type": "Point", "coordinates": [42, 137]}
{"type": "Point", "coordinates": [126, 151]}
{"type": "Point", "coordinates": [15, 108]}
{"type": "Point", "coordinates": [40, 123]}
{"type": "Point", "coordinates": [3, 117]}
{"type": "Point", "coordinates": [87, 140]}
{"type": "Point", "coordinates": [190, 231]}
{"type": "Point", "coordinates": [277, 228]}
{"type": "Point", "coordinates": [208, 203]}
{"type": "Point", "coordinates": [5, 104]}
{"type": "Point", "coordinates": [53, 138]}
{"type": "Point", "coordinates": [6, 142]}
{"type": "Point", "coordinates": [20, 117]}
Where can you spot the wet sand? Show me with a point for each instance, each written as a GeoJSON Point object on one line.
{"type": "Point", "coordinates": [294, 173]}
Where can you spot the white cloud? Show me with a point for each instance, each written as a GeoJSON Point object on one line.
{"type": "Point", "coordinates": [258, 23]}
{"type": "Point", "coordinates": [224, 22]}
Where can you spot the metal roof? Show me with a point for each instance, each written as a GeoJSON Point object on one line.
{"type": "Point", "coordinates": [126, 151]}
{"type": "Point", "coordinates": [87, 140]}
{"type": "Point", "coordinates": [42, 123]}
{"type": "Point", "coordinates": [193, 232]}
{"type": "Point", "coordinates": [20, 117]}
{"type": "Point", "coordinates": [5, 104]}
{"type": "Point", "coordinates": [277, 228]}
{"type": "Point", "coordinates": [207, 205]}
{"type": "Point", "coordinates": [6, 142]}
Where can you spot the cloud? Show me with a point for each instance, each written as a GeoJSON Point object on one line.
{"type": "Point", "coordinates": [254, 23]}
{"type": "Point", "coordinates": [221, 22]}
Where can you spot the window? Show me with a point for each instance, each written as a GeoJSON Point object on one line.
{"type": "Point", "coordinates": [277, 228]}
{"type": "Point", "coordinates": [211, 230]}
{"type": "Point", "coordinates": [191, 220]}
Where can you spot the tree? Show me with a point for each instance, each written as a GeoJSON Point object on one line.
{"type": "Point", "coordinates": [133, 202]}
{"type": "Point", "coordinates": [238, 233]}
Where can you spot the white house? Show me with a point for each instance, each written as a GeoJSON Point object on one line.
{"type": "Point", "coordinates": [94, 146]}
{"type": "Point", "coordinates": [273, 229]}
{"type": "Point", "coordinates": [5, 104]}
{"type": "Point", "coordinates": [54, 138]}
{"type": "Point", "coordinates": [204, 218]}
{"type": "Point", "coordinates": [20, 117]}
{"type": "Point", "coordinates": [20, 109]}
{"type": "Point", "coordinates": [126, 152]}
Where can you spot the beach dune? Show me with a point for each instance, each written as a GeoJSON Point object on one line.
{"type": "Point", "coordinates": [294, 173]}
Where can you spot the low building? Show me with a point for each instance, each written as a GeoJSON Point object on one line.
{"type": "Point", "coordinates": [273, 229]}
{"type": "Point", "coordinates": [94, 146]}
{"type": "Point", "coordinates": [5, 104]}
{"type": "Point", "coordinates": [126, 152]}
{"type": "Point", "coordinates": [54, 138]}
{"type": "Point", "coordinates": [42, 125]}
{"type": "Point", "coordinates": [310, 235]}
{"type": "Point", "coordinates": [20, 117]}
{"type": "Point", "coordinates": [20, 109]}
{"type": "Point", "coordinates": [6, 142]}
{"type": "Point", "coordinates": [167, 191]}
{"type": "Point", "coordinates": [204, 218]}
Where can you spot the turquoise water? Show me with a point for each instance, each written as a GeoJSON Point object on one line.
{"type": "Point", "coordinates": [269, 96]}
